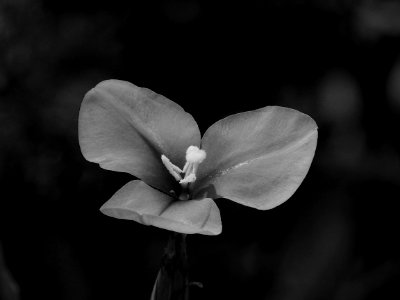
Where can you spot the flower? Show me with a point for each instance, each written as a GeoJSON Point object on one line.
{"type": "Point", "coordinates": [256, 158]}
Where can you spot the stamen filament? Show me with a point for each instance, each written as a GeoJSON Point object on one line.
{"type": "Point", "coordinates": [194, 157]}
{"type": "Point", "coordinates": [172, 169]}
{"type": "Point", "coordinates": [185, 167]}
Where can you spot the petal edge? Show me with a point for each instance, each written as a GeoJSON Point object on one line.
{"type": "Point", "coordinates": [257, 158]}
{"type": "Point", "coordinates": [141, 203]}
{"type": "Point", "coordinates": [126, 128]}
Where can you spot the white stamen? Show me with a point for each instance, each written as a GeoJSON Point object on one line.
{"type": "Point", "coordinates": [188, 179]}
{"type": "Point", "coordinates": [176, 168]}
{"type": "Point", "coordinates": [172, 169]}
{"type": "Point", "coordinates": [194, 157]}
{"type": "Point", "coordinates": [185, 167]}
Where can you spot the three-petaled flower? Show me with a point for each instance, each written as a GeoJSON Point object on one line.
{"type": "Point", "coordinates": [256, 158]}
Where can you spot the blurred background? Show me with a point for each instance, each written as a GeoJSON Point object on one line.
{"type": "Point", "coordinates": [336, 60]}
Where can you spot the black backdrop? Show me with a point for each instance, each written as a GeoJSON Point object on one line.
{"type": "Point", "coordinates": [337, 61]}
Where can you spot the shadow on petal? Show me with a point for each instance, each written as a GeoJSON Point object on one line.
{"type": "Point", "coordinates": [141, 203]}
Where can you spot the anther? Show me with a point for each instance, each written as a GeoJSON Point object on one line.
{"type": "Point", "coordinates": [194, 157]}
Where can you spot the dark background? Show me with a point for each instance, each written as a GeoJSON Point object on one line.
{"type": "Point", "coordinates": [338, 61]}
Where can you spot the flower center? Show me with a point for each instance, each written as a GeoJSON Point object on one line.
{"type": "Point", "coordinates": [194, 157]}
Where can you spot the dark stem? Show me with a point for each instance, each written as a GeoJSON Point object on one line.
{"type": "Point", "coordinates": [172, 279]}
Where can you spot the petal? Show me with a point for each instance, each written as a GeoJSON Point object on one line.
{"type": "Point", "coordinates": [126, 128]}
{"type": "Point", "coordinates": [257, 158]}
{"type": "Point", "coordinates": [141, 203]}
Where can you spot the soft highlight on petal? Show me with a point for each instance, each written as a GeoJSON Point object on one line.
{"type": "Point", "coordinates": [141, 203]}
{"type": "Point", "coordinates": [257, 158]}
{"type": "Point", "coordinates": [126, 128]}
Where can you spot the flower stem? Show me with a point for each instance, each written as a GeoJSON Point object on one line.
{"type": "Point", "coordinates": [172, 280]}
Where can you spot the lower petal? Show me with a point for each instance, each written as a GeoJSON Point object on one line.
{"type": "Point", "coordinates": [141, 203]}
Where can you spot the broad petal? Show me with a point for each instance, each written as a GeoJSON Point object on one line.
{"type": "Point", "coordinates": [257, 158]}
{"type": "Point", "coordinates": [126, 128]}
{"type": "Point", "coordinates": [141, 203]}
